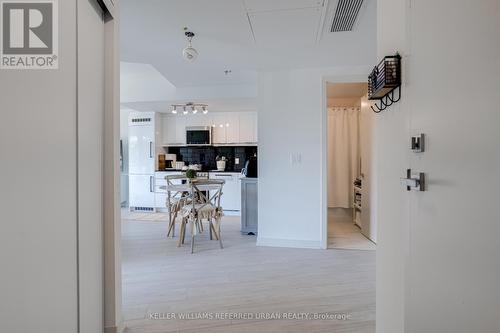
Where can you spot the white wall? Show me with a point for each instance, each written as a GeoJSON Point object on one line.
{"type": "Point", "coordinates": [292, 122]}
{"type": "Point", "coordinates": [369, 165]}
{"type": "Point", "coordinates": [90, 164]}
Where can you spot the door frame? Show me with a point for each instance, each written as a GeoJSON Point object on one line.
{"type": "Point", "coordinates": [353, 78]}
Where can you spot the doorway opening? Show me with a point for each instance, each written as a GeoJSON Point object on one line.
{"type": "Point", "coordinates": [351, 223]}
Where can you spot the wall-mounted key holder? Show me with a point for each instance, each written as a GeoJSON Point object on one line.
{"type": "Point", "coordinates": [383, 81]}
{"type": "Point", "coordinates": [418, 143]}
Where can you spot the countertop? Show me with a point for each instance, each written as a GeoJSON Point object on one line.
{"type": "Point", "coordinates": [209, 171]}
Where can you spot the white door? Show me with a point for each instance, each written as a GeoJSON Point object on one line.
{"type": "Point", "coordinates": [438, 257]}
{"type": "Point", "coordinates": [141, 149]}
{"type": "Point", "coordinates": [141, 191]}
{"type": "Point", "coordinates": [454, 268]}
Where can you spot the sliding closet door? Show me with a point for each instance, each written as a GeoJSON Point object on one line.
{"type": "Point", "coordinates": [38, 177]}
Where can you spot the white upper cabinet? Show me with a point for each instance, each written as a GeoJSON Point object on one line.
{"type": "Point", "coordinates": [248, 127]}
{"type": "Point", "coordinates": [232, 127]}
{"type": "Point", "coordinates": [180, 133]}
{"type": "Point", "coordinates": [218, 129]}
{"type": "Point", "coordinates": [196, 120]}
{"type": "Point", "coordinates": [227, 127]}
{"type": "Point", "coordinates": [174, 130]}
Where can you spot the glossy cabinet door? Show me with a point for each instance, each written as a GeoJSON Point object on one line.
{"type": "Point", "coordinates": [248, 127]}
{"type": "Point", "coordinates": [231, 193]}
{"type": "Point", "coordinates": [218, 129]}
{"type": "Point", "coordinates": [141, 149]}
{"type": "Point", "coordinates": [232, 127]}
{"type": "Point", "coordinates": [180, 133]}
{"type": "Point", "coordinates": [169, 130]}
{"type": "Point", "coordinates": [141, 191]}
{"type": "Point", "coordinates": [174, 130]}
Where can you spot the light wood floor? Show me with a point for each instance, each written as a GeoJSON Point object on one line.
{"type": "Point", "coordinates": [160, 278]}
{"type": "Point", "coordinates": [344, 234]}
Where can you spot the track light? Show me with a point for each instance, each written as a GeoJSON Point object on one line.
{"type": "Point", "coordinates": [194, 108]}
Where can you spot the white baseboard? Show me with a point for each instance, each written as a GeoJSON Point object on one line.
{"type": "Point", "coordinates": [295, 243]}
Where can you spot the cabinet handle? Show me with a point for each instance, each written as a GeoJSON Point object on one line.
{"type": "Point", "coordinates": [151, 186]}
{"type": "Point", "coordinates": [150, 149]}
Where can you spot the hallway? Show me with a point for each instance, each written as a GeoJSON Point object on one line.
{"type": "Point", "coordinates": [344, 234]}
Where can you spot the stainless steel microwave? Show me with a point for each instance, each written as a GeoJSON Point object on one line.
{"type": "Point", "coordinates": [199, 136]}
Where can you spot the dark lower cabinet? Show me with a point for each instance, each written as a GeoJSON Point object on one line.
{"type": "Point", "coordinates": [249, 205]}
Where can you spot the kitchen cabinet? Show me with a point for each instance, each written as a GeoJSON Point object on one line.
{"type": "Point", "coordinates": [231, 192]}
{"type": "Point", "coordinates": [218, 129]}
{"type": "Point", "coordinates": [231, 128]}
{"type": "Point", "coordinates": [248, 127]}
{"type": "Point", "coordinates": [174, 130]}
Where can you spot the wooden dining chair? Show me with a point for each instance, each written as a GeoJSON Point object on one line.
{"type": "Point", "coordinates": [175, 201]}
{"type": "Point", "coordinates": [204, 206]}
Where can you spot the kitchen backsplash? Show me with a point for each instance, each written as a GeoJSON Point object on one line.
{"type": "Point", "coordinates": [206, 156]}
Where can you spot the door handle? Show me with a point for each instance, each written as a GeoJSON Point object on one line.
{"type": "Point", "coordinates": [414, 181]}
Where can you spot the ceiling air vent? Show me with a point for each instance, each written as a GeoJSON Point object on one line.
{"type": "Point", "coordinates": [345, 15]}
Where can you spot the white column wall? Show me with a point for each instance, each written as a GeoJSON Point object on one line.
{"type": "Point", "coordinates": [292, 154]}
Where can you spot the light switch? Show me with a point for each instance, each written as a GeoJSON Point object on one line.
{"type": "Point", "coordinates": [295, 158]}
{"type": "Point", "coordinates": [236, 160]}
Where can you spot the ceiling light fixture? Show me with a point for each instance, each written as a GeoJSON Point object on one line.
{"type": "Point", "coordinates": [189, 53]}
{"type": "Point", "coordinates": [187, 107]}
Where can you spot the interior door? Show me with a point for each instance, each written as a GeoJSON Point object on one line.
{"type": "Point", "coordinates": [452, 282]}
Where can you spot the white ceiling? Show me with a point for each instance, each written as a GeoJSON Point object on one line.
{"type": "Point", "coordinates": [345, 94]}
{"type": "Point", "coordinates": [241, 35]}
{"type": "Point", "coordinates": [346, 90]}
